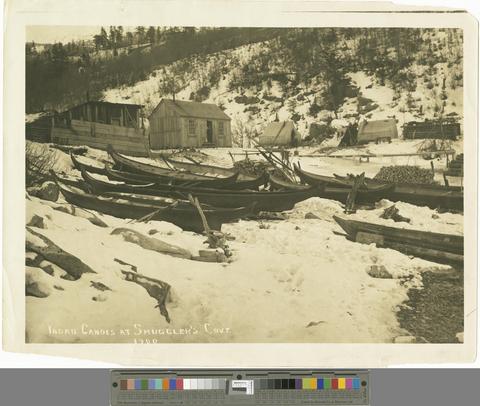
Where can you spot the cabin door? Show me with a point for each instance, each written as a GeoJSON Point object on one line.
{"type": "Point", "coordinates": [209, 132]}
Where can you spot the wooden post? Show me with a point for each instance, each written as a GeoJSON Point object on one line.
{"type": "Point", "coordinates": [350, 204]}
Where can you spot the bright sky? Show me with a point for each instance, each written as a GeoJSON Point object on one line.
{"type": "Point", "coordinates": [63, 33]}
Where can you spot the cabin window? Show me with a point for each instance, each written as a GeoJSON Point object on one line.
{"type": "Point", "coordinates": [221, 128]}
{"type": "Point", "coordinates": [191, 127]}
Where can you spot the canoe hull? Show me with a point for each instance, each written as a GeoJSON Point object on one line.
{"type": "Point", "coordinates": [263, 201]}
{"type": "Point", "coordinates": [168, 175]}
{"type": "Point", "coordinates": [186, 218]}
{"type": "Point", "coordinates": [438, 247]}
{"type": "Point", "coordinates": [433, 196]}
{"type": "Point", "coordinates": [79, 166]}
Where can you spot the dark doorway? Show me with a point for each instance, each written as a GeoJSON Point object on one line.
{"type": "Point", "coordinates": [209, 132]}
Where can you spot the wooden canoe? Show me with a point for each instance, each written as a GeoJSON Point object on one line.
{"type": "Point", "coordinates": [335, 192]}
{"type": "Point", "coordinates": [263, 200]}
{"type": "Point", "coordinates": [432, 246]}
{"type": "Point", "coordinates": [135, 178]}
{"type": "Point", "coordinates": [131, 165]}
{"type": "Point", "coordinates": [279, 184]}
{"type": "Point", "coordinates": [78, 165]}
{"type": "Point", "coordinates": [243, 181]}
{"type": "Point", "coordinates": [315, 179]}
{"type": "Point", "coordinates": [433, 196]}
{"type": "Point", "coordinates": [203, 169]}
{"type": "Point", "coordinates": [184, 217]}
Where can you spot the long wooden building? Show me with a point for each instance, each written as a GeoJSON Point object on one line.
{"type": "Point", "coordinates": [177, 123]}
{"type": "Point", "coordinates": [99, 124]}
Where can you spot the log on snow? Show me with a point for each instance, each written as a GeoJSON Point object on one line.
{"type": "Point", "coordinates": [152, 244]}
{"type": "Point", "coordinates": [72, 265]}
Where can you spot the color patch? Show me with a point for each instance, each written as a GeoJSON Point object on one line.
{"type": "Point", "coordinates": [341, 383]}
{"type": "Point", "coordinates": [356, 383]}
{"type": "Point", "coordinates": [179, 384]}
{"type": "Point", "coordinates": [158, 384]}
{"type": "Point", "coordinates": [305, 383]}
{"type": "Point", "coordinates": [172, 384]}
{"type": "Point", "coordinates": [349, 383]}
{"type": "Point", "coordinates": [138, 384]}
{"type": "Point", "coordinates": [320, 383]}
{"type": "Point", "coordinates": [165, 384]}
{"type": "Point", "coordinates": [144, 384]}
{"type": "Point", "coordinates": [151, 384]}
{"type": "Point", "coordinates": [123, 384]}
{"type": "Point", "coordinates": [298, 383]}
{"type": "Point", "coordinates": [130, 384]}
{"type": "Point", "coordinates": [327, 383]}
{"type": "Point", "coordinates": [334, 383]}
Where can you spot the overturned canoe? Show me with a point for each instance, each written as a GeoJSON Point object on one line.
{"type": "Point", "coordinates": [184, 217]}
{"type": "Point", "coordinates": [78, 165]}
{"type": "Point", "coordinates": [263, 200]}
{"type": "Point", "coordinates": [432, 246]}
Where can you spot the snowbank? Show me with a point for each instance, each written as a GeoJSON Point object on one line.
{"type": "Point", "coordinates": [292, 281]}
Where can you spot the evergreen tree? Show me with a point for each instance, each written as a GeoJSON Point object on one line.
{"type": "Point", "coordinates": [151, 33]}
{"type": "Point", "coordinates": [140, 32]}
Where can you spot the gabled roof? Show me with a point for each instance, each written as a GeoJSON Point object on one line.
{"type": "Point", "coordinates": [195, 109]}
{"type": "Point", "coordinates": [378, 128]}
{"type": "Point", "coordinates": [279, 129]}
{"type": "Point", "coordinates": [106, 103]}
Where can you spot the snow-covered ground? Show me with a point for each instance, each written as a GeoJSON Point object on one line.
{"type": "Point", "coordinates": [289, 281]}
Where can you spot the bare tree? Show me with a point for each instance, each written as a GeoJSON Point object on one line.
{"type": "Point", "coordinates": [243, 133]}
{"type": "Point", "coordinates": [38, 162]}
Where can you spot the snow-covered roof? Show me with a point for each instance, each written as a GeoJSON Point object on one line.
{"type": "Point", "coordinates": [279, 132]}
{"type": "Point", "coordinates": [195, 109]}
{"type": "Point", "coordinates": [375, 129]}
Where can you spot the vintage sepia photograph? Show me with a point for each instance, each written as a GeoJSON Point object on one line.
{"type": "Point", "coordinates": [244, 185]}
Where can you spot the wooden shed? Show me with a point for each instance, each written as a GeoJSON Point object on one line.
{"type": "Point", "coordinates": [376, 130]}
{"type": "Point", "coordinates": [178, 123]}
{"type": "Point", "coordinates": [99, 124]}
{"type": "Point", "coordinates": [38, 126]}
{"type": "Point", "coordinates": [280, 133]}
{"type": "Point", "coordinates": [448, 128]}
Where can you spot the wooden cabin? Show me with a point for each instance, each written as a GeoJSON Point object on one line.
{"type": "Point", "coordinates": [447, 128]}
{"type": "Point", "coordinates": [178, 123]}
{"type": "Point", "coordinates": [280, 133]}
{"type": "Point", "coordinates": [38, 126]}
{"type": "Point", "coordinates": [99, 124]}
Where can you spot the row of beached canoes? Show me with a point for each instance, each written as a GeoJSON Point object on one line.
{"type": "Point", "coordinates": [134, 189]}
{"type": "Point", "coordinates": [180, 176]}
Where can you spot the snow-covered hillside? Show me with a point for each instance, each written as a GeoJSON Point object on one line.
{"type": "Point", "coordinates": [429, 90]}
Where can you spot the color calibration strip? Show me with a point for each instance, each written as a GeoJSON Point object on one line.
{"type": "Point", "coordinates": [312, 383]}
{"type": "Point", "coordinates": [176, 384]}
{"type": "Point", "coordinates": [172, 384]}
